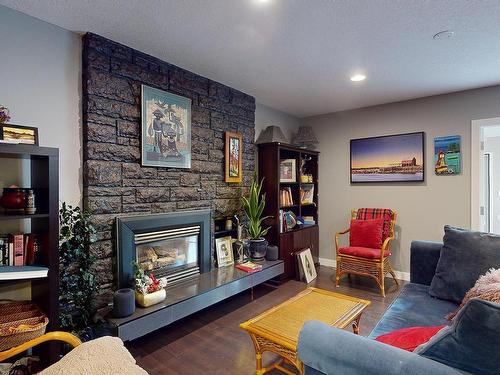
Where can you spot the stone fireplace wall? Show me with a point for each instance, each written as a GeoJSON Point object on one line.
{"type": "Point", "coordinates": [115, 183]}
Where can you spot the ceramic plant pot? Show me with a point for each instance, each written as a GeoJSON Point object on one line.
{"type": "Point", "coordinates": [257, 248]}
{"type": "Point", "coordinates": [150, 299]}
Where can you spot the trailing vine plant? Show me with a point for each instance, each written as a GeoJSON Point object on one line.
{"type": "Point", "coordinates": [77, 282]}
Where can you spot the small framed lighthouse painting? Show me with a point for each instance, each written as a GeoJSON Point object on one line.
{"type": "Point", "coordinates": [166, 129]}
{"type": "Point", "coordinates": [234, 163]}
{"type": "Point", "coordinates": [447, 155]}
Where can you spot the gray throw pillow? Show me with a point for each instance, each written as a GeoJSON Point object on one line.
{"type": "Point", "coordinates": [472, 342]}
{"type": "Point", "coordinates": [465, 256]}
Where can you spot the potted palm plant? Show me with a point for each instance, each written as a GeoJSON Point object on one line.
{"type": "Point", "coordinates": [254, 207]}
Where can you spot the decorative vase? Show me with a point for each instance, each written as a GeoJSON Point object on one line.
{"type": "Point", "coordinates": [272, 253]}
{"type": "Point", "coordinates": [123, 303]}
{"type": "Point", "coordinates": [258, 248]}
{"type": "Point", "coordinates": [4, 114]}
{"type": "Point", "coordinates": [13, 200]}
{"type": "Point", "coordinates": [150, 299]}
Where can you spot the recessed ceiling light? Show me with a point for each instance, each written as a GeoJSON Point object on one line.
{"type": "Point", "coordinates": [446, 34]}
{"type": "Point", "coordinates": [358, 78]}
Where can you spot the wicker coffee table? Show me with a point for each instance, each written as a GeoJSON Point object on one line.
{"type": "Point", "coordinates": [277, 329]}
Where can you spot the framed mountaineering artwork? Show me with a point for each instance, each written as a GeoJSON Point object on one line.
{"type": "Point", "coordinates": [166, 129]}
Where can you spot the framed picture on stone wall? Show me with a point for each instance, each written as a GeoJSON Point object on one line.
{"type": "Point", "coordinates": [166, 129]}
{"type": "Point", "coordinates": [233, 165]}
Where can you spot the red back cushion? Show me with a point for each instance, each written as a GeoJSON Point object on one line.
{"type": "Point", "coordinates": [409, 338]}
{"type": "Point", "coordinates": [375, 213]}
{"type": "Point", "coordinates": [366, 233]}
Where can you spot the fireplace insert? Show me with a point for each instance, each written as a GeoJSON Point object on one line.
{"type": "Point", "coordinates": [174, 245]}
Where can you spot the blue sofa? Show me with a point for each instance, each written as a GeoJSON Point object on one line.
{"type": "Point", "coordinates": [327, 350]}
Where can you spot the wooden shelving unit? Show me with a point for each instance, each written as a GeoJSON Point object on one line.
{"type": "Point", "coordinates": [300, 237]}
{"type": "Point", "coordinates": [44, 175]}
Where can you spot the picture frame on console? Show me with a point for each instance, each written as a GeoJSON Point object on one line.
{"type": "Point", "coordinates": [388, 158]}
{"type": "Point", "coordinates": [224, 251]}
{"type": "Point", "coordinates": [233, 157]}
{"type": "Point", "coordinates": [166, 129]}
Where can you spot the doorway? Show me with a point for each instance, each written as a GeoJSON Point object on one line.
{"type": "Point", "coordinates": [485, 184]}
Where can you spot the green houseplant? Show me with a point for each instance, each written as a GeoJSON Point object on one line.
{"type": "Point", "coordinates": [77, 281]}
{"type": "Point", "coordinates": [254, 208]}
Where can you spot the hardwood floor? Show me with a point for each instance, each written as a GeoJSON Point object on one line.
{"type": "Point", "coordinates": [210, 341]}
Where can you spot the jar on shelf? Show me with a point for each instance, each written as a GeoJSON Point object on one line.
{"type": "Point", "coordinates": [30, 208]}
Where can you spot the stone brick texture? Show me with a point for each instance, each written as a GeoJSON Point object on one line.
{"type": "Point", "coordinates": [115, 183]}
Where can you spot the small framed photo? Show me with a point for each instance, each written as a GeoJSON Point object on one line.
{"type": "Point", "coordinates": [306, 264]}
{"type": "Point", "coordinates": [288, 170]}
{"type": "Point", "coordinates": [233, 164]}
{"type": "Point", "coordinates": [18, 134]}
{"type": "Point", "coordinates": [224, 250]}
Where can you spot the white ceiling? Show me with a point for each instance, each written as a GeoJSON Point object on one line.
{"type": "Point", "coordinates": [297, 55]}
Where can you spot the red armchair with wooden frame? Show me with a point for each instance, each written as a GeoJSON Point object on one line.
{"type": "Point", "coordinates": [369, 262]}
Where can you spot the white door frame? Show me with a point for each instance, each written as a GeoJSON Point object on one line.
{"type": "Point", "coordinates": [476, 171]}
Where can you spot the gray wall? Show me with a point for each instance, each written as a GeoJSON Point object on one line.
{"type": "Point", "coordinates": [40, 74]}
{"type": "Point", "coordinates": [266, 116]}
{"type": "Point", "coordinates": [423, 208]}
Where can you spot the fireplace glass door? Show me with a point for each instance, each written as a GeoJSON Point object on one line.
{"type": "Point", "coordinates": [171, 253]}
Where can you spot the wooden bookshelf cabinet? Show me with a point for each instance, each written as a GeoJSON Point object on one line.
{"type": "Point", "coordinates": [42, 164]}
{"type": "Point", "coordinates": [300, 237]}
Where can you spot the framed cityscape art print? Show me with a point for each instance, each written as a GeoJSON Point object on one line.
{"type": "Point", "coordinates": [233, 156]}
{"type": "Point", "coordinates": [388, 158]}
{"type": "Point", "coordinates": [166, 129]}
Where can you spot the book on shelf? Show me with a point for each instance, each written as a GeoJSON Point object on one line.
{"type": "Point", "coordinates": [249, 267]}
{"type": "Point", "coordinates": [286, 198]}
{"type": "Point", "coordinates": [18, 244]}
{"type": "Point", "coordinates": [25, 272]}
{"type": "Point", "coordinates": [309, 220]}
{"type": "Point", "coordinates": [18, 249]}
{"type": "Point", "coordinates": [281, 220]}
{"type": "Point", "coordinates": [307, 194]}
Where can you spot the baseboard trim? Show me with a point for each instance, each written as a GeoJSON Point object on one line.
{"type": "Point", "coordinates": [332, 263]}
{"type": "Point", "coordinates": [328, 262]}
{"type": "Point", "coordinates": [402, 275]}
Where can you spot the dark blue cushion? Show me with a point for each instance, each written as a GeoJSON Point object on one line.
{"type": "Point", "coordinates": [414, 307]}
{"type": "Point", "coordinates": [465, 256]}
{"type": "Point", "coordinates": [424, 257]}
{"type": "Point", "coordinates": [472, 342]}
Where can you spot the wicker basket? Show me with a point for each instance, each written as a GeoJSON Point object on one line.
{"type": "Point", "coordinates": [20, 321]}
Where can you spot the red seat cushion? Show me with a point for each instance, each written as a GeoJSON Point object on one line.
{"type": "Point", "coordinates": [409, 338]}
{"type": "Point", "coordinates": [363, 252]}
{"type": "Point", "coordinates": [366, 233]}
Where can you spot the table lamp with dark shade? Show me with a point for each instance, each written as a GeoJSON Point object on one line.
{"type": "Point", "coordinates": [305, 138]}
{"type": "Point", "coordinates": [271, 134]}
